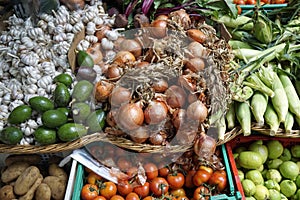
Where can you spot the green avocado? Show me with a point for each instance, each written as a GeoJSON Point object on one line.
{"type": "Point", "coordinates": [11, 135]}
{"type": "Point", "coordinates": [61, 95]}
{"type": "Point", "coordinates": [54, 118]}
{"type": "Point", "coordinates": [96, 121]}
{"type": "Point", "coordinates": [82, 90]}
{"type": "Point", "coordinates": [71, 131]}
{"type": "Point", "coordinates": [66, 79]}
{"type": "Point", "coordinates": [41, 104]}
{"type": "Point", "coordinates": [44, 135]}
{"type": "Point", "coordinates": [84, 59]}
{"type": "Point", "coordinates": [20, 114]}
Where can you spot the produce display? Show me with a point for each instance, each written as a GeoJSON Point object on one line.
{"type": "Point", "coordinates": [267, 169]}
{"type": "Point", "coordinates": [156, 87]}
{"type": "Point", "coordinates": [26, 177]}
{"type": "Point", "coordinates": [266, 49]}
{"type": "Point", "coordinates": [151, 176]}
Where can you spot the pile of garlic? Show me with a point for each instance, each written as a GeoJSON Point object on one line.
{"type": "Point", "coordinates": [32, 55]}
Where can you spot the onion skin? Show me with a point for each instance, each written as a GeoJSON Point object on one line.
{"type": "Point", "coordinates": [175, 96]}
{"type": "Point", "coordinates": [119, 96]}
{"type": "Point", "coordinates": [155, 112]}
{"type": "Point", "coordinates": [196, 49]}
{"type": "Point", "coordinates": [178, 118]}
{"type": "Point", "coordinates": [139, 135]}
{"type": "Point", "coordinates": [159, 28]}
{"type": "Point", "coordinates": [123, 58]}
{"type": "Point", "coordinates": [197, 111]}
{"type": "Point", "coordinates": [160, 85]}
{"type": "Point", "coordinates": [101, 30]}
{"type": "Point", "coordinates": [205, 146]}
{"type": "Point", "coordinates": [130, 116]}
{"type": "Point", "coordinates": [196, 35]}
{"type": "Point", "coordinates": [95, 52]}
{"type": "Point", "coordinates": [195, 64]}
{"type": "Point", "coordinates": [114, 72]}
{"type": "Point", "coordinates": [132, 46]}
{"type": "Point", "coordinates": [103, 90]}
{"type": "Point", "coordinates": [142, 64]}
{"type": "Point", "coordinates": [110, 119]}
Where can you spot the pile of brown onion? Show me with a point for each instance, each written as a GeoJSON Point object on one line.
{"type": "Point", "coordinates": [155, 88]}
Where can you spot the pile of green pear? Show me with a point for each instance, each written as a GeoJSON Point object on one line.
{"type": "Point", "coordinates": [268, 169]}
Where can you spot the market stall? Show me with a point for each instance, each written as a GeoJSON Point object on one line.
{"type": "Point", "coordinates": [149, 99]}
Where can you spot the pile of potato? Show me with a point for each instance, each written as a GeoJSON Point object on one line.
{"type": "Point", "coordinates": [24, 178]}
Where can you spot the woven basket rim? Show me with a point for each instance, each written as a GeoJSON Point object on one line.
{"type": "Point", "coordinates": [104, 137]}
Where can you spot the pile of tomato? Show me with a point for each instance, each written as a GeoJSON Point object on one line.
{"type": "Point", "coordinates": [253, 2]}
{"type": "Point", "coordinates": [162, 182]}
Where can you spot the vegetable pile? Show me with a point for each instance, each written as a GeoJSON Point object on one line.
{"type": "Point", "coordinates": [150, 176]}
{"type": "Point", "coordinates": [26, 177]}
{"type": "Point", "coordinates": [268, 169]}
{"type": "Point", "coordinates": [265, 70]}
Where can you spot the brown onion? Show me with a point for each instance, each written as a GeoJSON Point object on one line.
{"type": "Point", "coordinates": [186, 135]}
{"type": "Point", "coordinates": [142, 64]}
{"type": "Point", "coordinates": [162, 17]}
{"type": "Point", "coordinates": [103, 90]}
{"type": "Point", "coordinates": [195, 64]}
{"type": "Point", "coordinates": [160, 85]}
{"type": "Point", "coordinates": [205, 146]}
{"type": "Point", "coordinates": [117, 43]}
{"type": "Point", "coordinates": [130, 116]}
{"type": "Point", "coordinates": [178, 118]}
{"type": "Point", "coordinates": [175, 96]}
{"type": "Point", "coordinates": [114, 72]}
{"type": "Point", "coordinates": [155, 112]}
{"type": "Point", "coordinates": [132, 46]}
{"type": "Point", "coordinates": [123, 58]}
{"type": "Point", "coordinates": [196, 49]}
{"type": "Point", "coordinates": [197, 111]}
{"type": "Point", "coordinates": [186, 82]}
{"type": "Point", "coordinates": [158, 138]}
{"type": "Point", "coordinates": [181, 17]}
{"type": "Point", "coordinates": [120, 95]}
{"type": "Point", "coordinates": [159, 28]}
{"type": "Point", "coordinates": [196, 35]}
{"type": "Point", "coordinates": [95, 52]}
{"type": "Point", "coordinates": [139, 135]}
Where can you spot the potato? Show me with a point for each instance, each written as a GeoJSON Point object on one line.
{"type": "Point", "coordinates": [26, 180]}
{"type": "Point", "coordinates": [43, 192]}
{"type": "Point", "coordinates": [7, 193]}
{"type": "Point", "coordinates": [57, 186]}
{"type": "Point", "coordinates": [30, 193]}
{"type": "Point", "coordinates": [55, 170]}
{"type": "Point", "coordinates": [31, 159]}
{"type": "Point", "coordinates": [13, 171]}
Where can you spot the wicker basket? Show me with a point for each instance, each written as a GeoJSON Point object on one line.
{"type": "Point", "coordinates": [118, 141]}
{"type": "Point", "coordinates": [265, 130]}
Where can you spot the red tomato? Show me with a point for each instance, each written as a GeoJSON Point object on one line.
{"type": "Point", "coordinates": [124, 188]}
{"type": "Point", "coordinates": [201, 193]}
{"type": "Point", "coordinates": [219, 179]}
{"type": "Point", "coordinates": [207, 168]}
{"type": "Point", "coordinates": [89, 191]}
{"type": "Point", "coordinates": [117, 197]}
{"type": "Point", "coordinates": [108, 189]}
{"type": "Point", "coordinates": [163, 171]}
{"type": "Point", "coordinates": [151, 170]}
{"type": "Point", "coordinates": [100, 198]}
{"type": "Point", "coordinates": [93, 178]}
{"type": "Point", "coordinates": [142, 190]}
{"type": "Point", "coordinates": [159, 186]}
{"type": "Point", "coordinates": [240, 2]}
{"type": "Point", "coordinates": [278, 1]}
{"type": "Point", "coordinates": [251, 2]}
{"type": "Point", "coordinates": [239, 9]}
{"type": "Point", "coordinates": [175, 180]}
{"type": "Point", "coordinates": [189, 179]}
{"type": "Point", "coordinates": [201, 176]}
{"type": "Point", "coordinates": [132, 196]}
{"type": "Point", "coordinates": [178, 192]}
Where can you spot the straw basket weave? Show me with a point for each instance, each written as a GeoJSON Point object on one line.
{"type": "Point", "coordinates": [103, 137]}
{"type": "Point", "coordinates": [280, 132]}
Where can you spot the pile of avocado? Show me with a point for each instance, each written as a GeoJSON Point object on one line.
{"type": "Point", "coordinates": [65, 117]}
